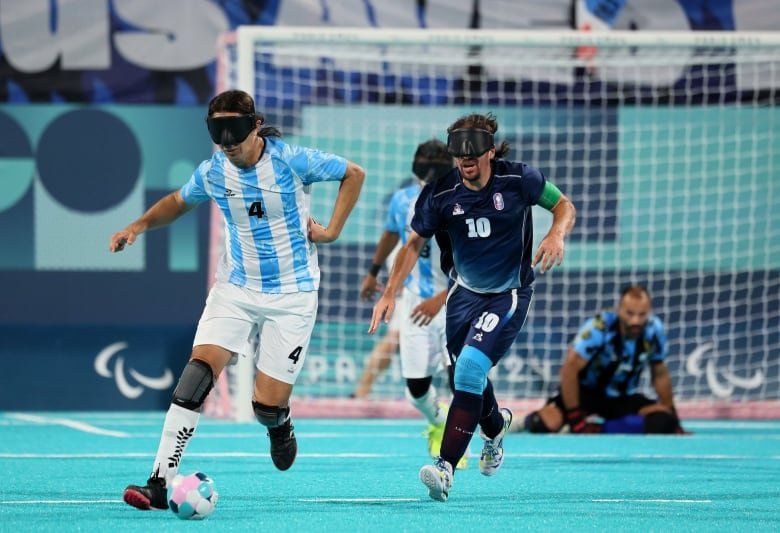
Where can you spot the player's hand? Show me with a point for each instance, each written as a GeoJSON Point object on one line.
{"type": "Point", "coordinates": [370, 287]}
{"type": "Point", "coordinates": [120, 239]}
{"type": "Point", "coordinates": [549, 253]}
{"type": "Point", "coordinates": [319, 233]}
{"type": "Point", "coordinates": [425, 311]}
{"type": "Point", "coordinates": [383, 309]}
{"type": "Point", "coordinates": [578, 423]}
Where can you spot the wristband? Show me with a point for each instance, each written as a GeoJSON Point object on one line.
{"type": "Point", "coordinates": [374, 270]}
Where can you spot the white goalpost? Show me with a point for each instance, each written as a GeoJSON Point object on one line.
{"type": "Point", "coordinates": [667, 142]}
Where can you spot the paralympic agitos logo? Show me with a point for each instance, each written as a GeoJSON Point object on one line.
{"type": "Point", "coordinates": [721, 380]}
{"type": "Point", "coordinates": [120, 374]}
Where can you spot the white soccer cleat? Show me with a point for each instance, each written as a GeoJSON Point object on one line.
{"type": "Point", "coordinates": [438, 478]}
{"type": "Point", "coordinates": [492, 456]}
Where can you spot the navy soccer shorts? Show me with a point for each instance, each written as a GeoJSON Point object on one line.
{"type": "Point", "coordinates": [488, 322]}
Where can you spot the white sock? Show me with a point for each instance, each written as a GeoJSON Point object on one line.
{"type": "Point", "coordinates": [428, 405]}
{"type": "Point", "coordinates": [179, 426]}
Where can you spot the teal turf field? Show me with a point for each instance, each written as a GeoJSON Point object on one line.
{"type": "Point", "coordinates": [67, 471]}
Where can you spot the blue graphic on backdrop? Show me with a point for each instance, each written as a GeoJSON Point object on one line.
{"type": "Point", "coordinates": [63, 154]}
{"type": "Point", "coordinates": [73, 176]}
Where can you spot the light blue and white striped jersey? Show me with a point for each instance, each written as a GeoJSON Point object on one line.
{"type": "Point", "coordinates": [426, 278]}
{"type": "Point", "coordinates": [266, 209]}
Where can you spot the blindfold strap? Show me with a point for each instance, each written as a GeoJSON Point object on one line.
{"type": "Point", "coordinates": [469, 142]}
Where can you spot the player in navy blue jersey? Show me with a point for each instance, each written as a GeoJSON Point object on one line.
{"type": "Point", "coordinates": [267, 279]}
{"type": "Point", "coordinates": [484, 206]}
{"type": "Point", "coordinates": [602, 370]}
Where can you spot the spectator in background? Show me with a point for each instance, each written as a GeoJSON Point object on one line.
{"type": "Point", "coordinates": [601, 374]}
{"type": "Point", "coordinates": [267, 280]}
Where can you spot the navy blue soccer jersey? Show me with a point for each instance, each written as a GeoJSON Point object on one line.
{"type": "Point", "coordinates": [615, 364]}
{"type": "Point", "coordinates": [491, 230]}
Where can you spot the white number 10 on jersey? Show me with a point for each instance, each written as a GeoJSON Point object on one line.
{"type": "Point", "coordinates": [478, 228]}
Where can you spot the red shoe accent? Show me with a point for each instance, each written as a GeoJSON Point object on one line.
{"type": "Point", "coordinates": [137, 500]}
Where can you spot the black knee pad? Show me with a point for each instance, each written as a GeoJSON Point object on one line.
{"type": "Point", "coordinates": [661, 422]}
{"type": "Point", "coordinates": [534, 423]}
{"type": "Point", "coordinates": [195, 382]}
{"type": "Point", "coordinates": [418, 386]}
{"type": "Point", "coordinates": [270, 416]}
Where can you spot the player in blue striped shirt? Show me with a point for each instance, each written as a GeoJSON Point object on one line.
{"type": "Point", "coordinates": [602, 370]}
{"type": "Point", "coordinates": [484, 205]}
{"type": "Point", "coordinates": [421, 303]}
{"type": "Point", "coordinates": [267, 280]}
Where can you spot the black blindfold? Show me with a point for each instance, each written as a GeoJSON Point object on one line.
{"type": "Point", "coordinates": [469, 142]}
{"type": "Point", "coordinates": [430, 171]}
{"type": "Point", "coordinates": [228, 131]}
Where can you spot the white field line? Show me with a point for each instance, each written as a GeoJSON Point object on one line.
{"type": "Point", "coordinates": [648, 500]}
{"type": "Point", "coordinates": [57, 502]}
{"type": "Point", "coordinates": [67, 422]}
{"type": "Point", "coordinates": [132, 455]}
{"type": "Point", "coordinates": [363, 500]}
{"type": "Point", "coordinates": [357, 500]}
{"type": "Point", "coordinates": [347, 455]}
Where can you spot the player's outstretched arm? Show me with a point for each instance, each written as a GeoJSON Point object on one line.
{"type": "Point", "coordinates": [387, 243]}
{"type": "Point", "coordinates": [162, 213]}
{"type": "Point", "coordinates": [402, 266]}
{"type": "Point", "coordinates": [574, 416]}
{"type": "Point", "coordinates": [349, 191]}
{"type": "Point", "coordinates": [662, 382]}
{"type": "Point", "coordinates": [550, 251]}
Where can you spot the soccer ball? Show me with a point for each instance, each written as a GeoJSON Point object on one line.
{"type": "Point", "coordinates": [192, 496]}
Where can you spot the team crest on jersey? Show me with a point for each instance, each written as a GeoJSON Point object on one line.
{"type": "Point", "coordinates": [498, 201]}
{"type": "Point", "coordinates": [457, 210]}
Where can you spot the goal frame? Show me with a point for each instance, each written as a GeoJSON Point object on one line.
{"type": "Point", "coordinates": [245, 37]}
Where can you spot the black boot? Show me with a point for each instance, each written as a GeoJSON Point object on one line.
{"type": "Point", "coordinates": [284, 447]}
{"type": "Point", "coordinates": [151, 496]}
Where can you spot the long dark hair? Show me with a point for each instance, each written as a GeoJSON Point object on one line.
{"type": "Point", "coordinates": [485, 122]}
{"type": "Point", "coordinates": [241, 102]}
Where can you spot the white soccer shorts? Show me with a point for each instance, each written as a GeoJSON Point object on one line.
{"type": "Point", "coordinates": [273, 329]}
{"type": "Point", "coordinates": [423, 349]}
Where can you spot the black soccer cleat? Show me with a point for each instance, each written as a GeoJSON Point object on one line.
{"type": "Point", "coordinates": [284, 447]}
{"type": "Point", "coordinates": [153, 495]}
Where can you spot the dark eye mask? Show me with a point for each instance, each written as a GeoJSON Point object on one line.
{"type": "Point", "coordinates": [228, 131]}
{"type": "Point", "coordinates": [469, 142]}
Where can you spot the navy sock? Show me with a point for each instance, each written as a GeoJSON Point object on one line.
{"type": "Point", "coordinates": [491, 421]}
{"type": "Point", "coordinates": [462, 420]}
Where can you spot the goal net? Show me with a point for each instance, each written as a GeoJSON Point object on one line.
{"type": "Point", "coordinates": [668, 144]}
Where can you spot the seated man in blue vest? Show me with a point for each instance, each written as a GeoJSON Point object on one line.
{"type": "Point", "coordinates": [601, 375]}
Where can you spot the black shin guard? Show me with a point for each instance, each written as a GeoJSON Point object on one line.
{"type": "Point", "coordinates": [418, 387]}
{"type": "Point", "coordinates": [661, 422]}
{"type": "Point", "coordinates": [270, 416]}
{"type": "Point", "coordinates": [194, 385]}
{"type": "Point", "coordinates": [534, 423]}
